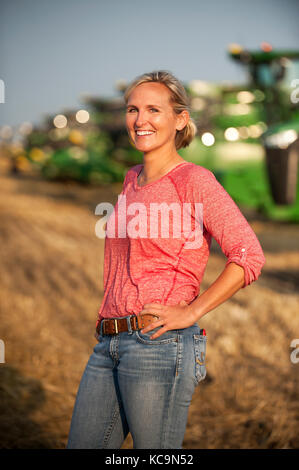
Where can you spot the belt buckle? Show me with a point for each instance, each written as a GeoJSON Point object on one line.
{"type": "Point", "coordinates": [115, 326]}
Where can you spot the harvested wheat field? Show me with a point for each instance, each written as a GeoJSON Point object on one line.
{"type": "Point", "coordinates": [51, 288]}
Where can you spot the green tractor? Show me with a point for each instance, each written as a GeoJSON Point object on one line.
{"type": "Point", "coordinates": [268, 69]}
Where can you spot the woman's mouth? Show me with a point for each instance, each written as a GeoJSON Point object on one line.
{"type": "Point", "coordinates": [144, 133]}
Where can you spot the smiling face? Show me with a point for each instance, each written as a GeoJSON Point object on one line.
{"type": "Point", "coordinates": [150, 119]}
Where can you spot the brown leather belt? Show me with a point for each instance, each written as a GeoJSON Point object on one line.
{"type": "Point", "coordinates": [113, 326]}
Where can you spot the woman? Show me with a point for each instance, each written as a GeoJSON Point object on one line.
{"type": "Point", "coordinates": [150, 354]}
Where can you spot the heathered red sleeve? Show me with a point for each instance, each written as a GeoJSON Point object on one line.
{"type": "Point", "coordinates": [225, 222]}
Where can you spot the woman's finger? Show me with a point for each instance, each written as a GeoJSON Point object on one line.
{"type": "Point", "coordinates": [152, 326]}
{"type": "Point", "coordinates": [159, 333]}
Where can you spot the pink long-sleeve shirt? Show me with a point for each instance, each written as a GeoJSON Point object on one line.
{"type": "Point", "coordinates": [143, 265]}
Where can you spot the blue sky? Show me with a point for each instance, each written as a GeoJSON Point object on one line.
{"type": "Point", "coordinates": [51, 51]}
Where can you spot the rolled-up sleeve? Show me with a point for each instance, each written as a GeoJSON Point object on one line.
{"type": "Point", "coordinates": [225, 222]}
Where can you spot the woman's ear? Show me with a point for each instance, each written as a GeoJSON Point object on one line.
{"type": "Point", "coordinates": [182, 120]}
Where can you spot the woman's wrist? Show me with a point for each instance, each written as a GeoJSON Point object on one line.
{"type": "Point", "coordinates": [194, 312]}
{"type": "Point", "coordinates": [225, 286]}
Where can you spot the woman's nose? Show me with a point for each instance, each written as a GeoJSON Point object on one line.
{"type": "Point", "coordinates": [139, 120]}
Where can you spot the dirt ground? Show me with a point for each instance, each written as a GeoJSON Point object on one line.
{"type": "Point", "coordinates": [51, 289]}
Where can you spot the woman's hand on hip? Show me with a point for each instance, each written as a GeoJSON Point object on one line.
{"type": "Point", "coordinates": [171, 317]}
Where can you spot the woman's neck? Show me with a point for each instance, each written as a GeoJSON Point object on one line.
{"type": "Point", "coordinates": [154, 168]}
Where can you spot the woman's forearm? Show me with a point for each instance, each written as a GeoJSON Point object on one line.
{"type": "Point", "coordinates": [227, 284]}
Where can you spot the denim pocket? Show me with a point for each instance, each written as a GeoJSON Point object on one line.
{"type": "Point", "coordinates": [170, 336]}
{"type": "Point", "coordinates": [199, 343]}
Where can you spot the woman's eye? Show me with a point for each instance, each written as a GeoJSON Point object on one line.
{"type": "Point", "coordinates": [130, 110]}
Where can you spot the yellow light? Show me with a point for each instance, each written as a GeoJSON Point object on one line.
{"type": "Point", "coordinates": [235, 48]}
{"type": "Point", "coordinates": [76, 137]}
{"type": "Point", "coordinates": [231, 134]}
{"type": "Point", "coordinates": [60, 121]}
{"type": "Point", "coordinates": [36, 154]}
{"type": "Point", "coordinates": [208, 139]}
{"type": "Point", "coordinates": [82, 116]}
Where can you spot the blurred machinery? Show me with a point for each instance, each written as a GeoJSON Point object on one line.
{"type": "Point", "coordinates": [267, 68]}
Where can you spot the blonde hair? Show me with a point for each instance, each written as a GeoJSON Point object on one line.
{"type": "Point", "coordinates": [178, 99]}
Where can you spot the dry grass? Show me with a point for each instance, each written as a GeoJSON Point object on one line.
{"type": "Point", "coordinates": [51, 289]}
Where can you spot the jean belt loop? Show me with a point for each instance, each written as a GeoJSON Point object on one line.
{"type": "Point", "coordinates": [130, 331]}
{"type": "Point", "coordinates": [101, 327]}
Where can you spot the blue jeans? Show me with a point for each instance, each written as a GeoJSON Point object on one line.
{"type": "Point", "coordinates": [132, 383]}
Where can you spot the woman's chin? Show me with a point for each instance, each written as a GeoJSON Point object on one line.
{"type": "Point", "coordinates": [145, 148]}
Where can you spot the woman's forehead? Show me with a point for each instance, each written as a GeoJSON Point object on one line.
{"type": "Point", "coordinates": [151, 93]}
